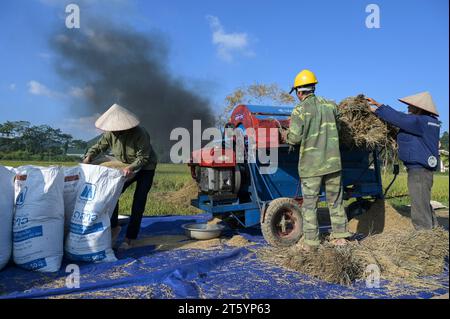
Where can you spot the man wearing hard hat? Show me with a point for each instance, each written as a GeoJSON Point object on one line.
{"type": "Point", "coordinates": [418, 148]}
{"type": "Point", "coordinates": [130, 144]}
{"type": "Point", "coordinates": [314, 127]}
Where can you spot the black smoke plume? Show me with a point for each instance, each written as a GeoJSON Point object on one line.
{"type": "Point", "coordinates": [114, 64]}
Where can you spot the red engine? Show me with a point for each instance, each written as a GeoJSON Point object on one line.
{"type": "Point", "coordinates": [216, 169]}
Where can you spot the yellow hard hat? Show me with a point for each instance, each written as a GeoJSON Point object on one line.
{"type": "Point", "coordinates": [305, 77]}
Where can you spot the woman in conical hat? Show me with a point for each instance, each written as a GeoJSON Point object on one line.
{"type": "Point", "coordinates": [418, 148]}
{"type": "Point", "coordinates": [130, 144]}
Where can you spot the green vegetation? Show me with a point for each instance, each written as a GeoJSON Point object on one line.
{"type": "Point", "coordinates": [19, 140]}
{"type": "Point", "coordinates": [171, 178]}
{"type": "Point", "coordinates": [168, 178]}
{"type": "Point", "coordinates": [398, 193]}
{"type": "Point", "coordinates": [444, 141]}
{"type": "Point", "coordinates": [36, 163]}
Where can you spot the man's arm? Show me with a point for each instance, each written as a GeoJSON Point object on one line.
{"type": "Point", "coordinates": [295, 132]}
{"type": "Point", "coordinates": [101, 146]}
{"type": "Point", "coordinates": [143, 151]}
{"type": "Point", "coordinates": [406, 122]}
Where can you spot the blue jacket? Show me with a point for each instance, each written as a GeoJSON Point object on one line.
{"type": "Point", "coordinates": [418, 138]}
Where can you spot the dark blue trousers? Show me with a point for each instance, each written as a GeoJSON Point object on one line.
{"type": "Point", "coordinates": [144, 181]}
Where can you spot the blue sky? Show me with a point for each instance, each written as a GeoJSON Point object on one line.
{"type": "Point", "coordinates": [217, 46]}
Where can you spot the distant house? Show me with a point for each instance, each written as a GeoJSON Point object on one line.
{"type": "Point", "coordinates": [76, 152]}
{"type": "Point", "coordinates": [10, 136]}
{"type": "Point", "coordinates": [443, 164]}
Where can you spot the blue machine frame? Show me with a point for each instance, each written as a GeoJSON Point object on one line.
{"type": "Point", "coordinates": [360, 174]}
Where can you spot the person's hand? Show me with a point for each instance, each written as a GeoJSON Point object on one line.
{"type": "Point", "coordinates": [374, 103]}
{"type": "Point", "coordinates": [87, 160]}
{"type": "Point", "coordinates": [127, 172]}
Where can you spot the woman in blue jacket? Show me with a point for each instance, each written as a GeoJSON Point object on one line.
{"type": "Point", "coordinates": [418, 148]}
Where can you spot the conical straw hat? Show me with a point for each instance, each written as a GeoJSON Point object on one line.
{"type": "Point", "coordinates": [422, 100]}
{"type": "Point", "coordinates": [117, 118]}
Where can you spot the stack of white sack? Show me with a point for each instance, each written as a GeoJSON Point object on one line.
{"type": "Point", "coordinates": [89, 237]}
{"type": "Point", "coordinates": [72, 181]}
{"type": "Point", "coordinates": [6, 214]}
{"type": "Point", "coordinates": [38, 229]}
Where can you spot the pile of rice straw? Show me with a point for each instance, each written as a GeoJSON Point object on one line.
{"type": "Point", "coordinates": [404, 256]}
{"type": "Point", "coordinates": [182, 197]}
{"type": "Point", "coordinates": [361, 128]}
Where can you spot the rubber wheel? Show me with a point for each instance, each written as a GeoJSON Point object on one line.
{"type": "Point", "coordinates": [283, 223]}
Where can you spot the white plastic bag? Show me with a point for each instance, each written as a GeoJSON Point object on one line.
{"type": "Point", "coordinates": [72, 181]}
{"type": "Point", "coordinates": [6, 214]}
{"type": "Point", "coordinates": [38, 228]}
{"type": "Point", "coordinates": [11, 169]}
{"type": "Point", "coordinates": [89, 238]}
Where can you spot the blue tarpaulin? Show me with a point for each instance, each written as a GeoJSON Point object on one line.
{"type": "Point", "coordinates": [231, 272]}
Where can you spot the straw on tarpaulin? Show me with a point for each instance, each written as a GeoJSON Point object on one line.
{"type": "Point", "coordinates": [405, 256]}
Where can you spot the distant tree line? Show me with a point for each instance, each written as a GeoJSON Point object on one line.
{"type": "Point", "coordinates": [19, 140]}
{"type": "Point", "coordinates": [444, 141]}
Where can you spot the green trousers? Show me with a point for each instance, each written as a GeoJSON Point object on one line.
{"type": "Point", "coordinates": [334, 193]}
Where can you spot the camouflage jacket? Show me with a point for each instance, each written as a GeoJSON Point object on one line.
{"type": "Point", "coordinates": [313, 126]}
{"type": "Point", "coordinates": [131, 147]}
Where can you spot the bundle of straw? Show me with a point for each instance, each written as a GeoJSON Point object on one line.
{"type": "Point", "coordinates": [360, 128]}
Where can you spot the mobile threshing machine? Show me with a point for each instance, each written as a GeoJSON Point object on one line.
{"type": "Point", "coordinates": [237, 190]}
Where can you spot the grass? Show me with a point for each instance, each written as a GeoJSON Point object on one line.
{"type": "Point", "coordinates": [172, 177]}
{"type": "Point", "coordinates": [168, 178]}
{"type": "Point", "coordinates": [37, 163]}
{"type": "Point", "coordinates": [398, 193]}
